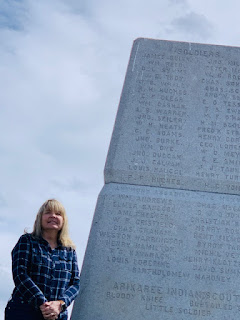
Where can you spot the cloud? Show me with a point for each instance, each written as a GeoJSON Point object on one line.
{"type": "Point", "coordinates": [62, 67]}
{"type": "Point", "coordinates": [8, 239]}
{"type": "Point", "coordinates": [178, 2]}
{"type": "Point", "coordinates": [12, 14]}
{"type": "Point", "coordinates": [194, 24]}
{"type": "Point", "coordinates": [2, 201]}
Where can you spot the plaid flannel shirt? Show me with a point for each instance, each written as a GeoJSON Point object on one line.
{"type": "Point", "coordinates": [41, 274]}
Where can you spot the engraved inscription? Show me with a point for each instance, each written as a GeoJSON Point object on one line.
{"type": "Point", "coordinates": [180, 128]}
{"type": "Point", "coordinates": [175, 237]}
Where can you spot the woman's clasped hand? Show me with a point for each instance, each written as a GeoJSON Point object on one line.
{"type": "Point", "coordinates": [50, 310]}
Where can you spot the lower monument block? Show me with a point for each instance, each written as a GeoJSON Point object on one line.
{"type": "Point", "coordinates": [156, 253]}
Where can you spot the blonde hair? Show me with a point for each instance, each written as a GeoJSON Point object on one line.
{"type": "Point", "coordinates": [63, 234]}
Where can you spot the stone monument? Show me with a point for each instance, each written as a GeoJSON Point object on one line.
{"type": "Point", "coordinates": [165, 238]}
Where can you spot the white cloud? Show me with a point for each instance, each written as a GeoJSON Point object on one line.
{"type": "Point", "coordinates": [62, 66]}
{"type": "Point", "coordinates": [193, 24]}
{"type": "Point", "coordinates": [7, 241]}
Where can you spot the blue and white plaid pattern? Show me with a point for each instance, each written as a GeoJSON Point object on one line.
{"type": "Point", "coordinates": [41, 274]}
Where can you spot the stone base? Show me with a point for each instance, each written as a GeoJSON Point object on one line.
{"type": "Point", "coordinates": [156, 253]}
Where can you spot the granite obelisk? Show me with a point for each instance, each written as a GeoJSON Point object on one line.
{"type": "Point", "coordinates": [165, 238]}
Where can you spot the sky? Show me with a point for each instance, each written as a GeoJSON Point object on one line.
{"type": "Point", "coordinates": [62, 68]}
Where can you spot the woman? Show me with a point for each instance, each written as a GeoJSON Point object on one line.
{"type": "Point", "coordinates": [44, 267]}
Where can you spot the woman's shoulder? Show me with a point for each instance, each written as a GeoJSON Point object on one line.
{"type": "Point", "coordinates": [26, 237]}
{"type": "Point", "coordinates": [67, 249]}
{"type": "Point", "coordinates": [22, 244]}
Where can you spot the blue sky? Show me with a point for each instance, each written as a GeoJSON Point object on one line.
{"type": "Point", "coordinates": [62, 67]}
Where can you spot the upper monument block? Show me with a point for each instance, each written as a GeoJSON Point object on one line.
{"type": "Point", "coordinates": [178, 118]}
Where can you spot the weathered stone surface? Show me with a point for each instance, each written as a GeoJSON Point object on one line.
{"type": "Point", "coordinates": [165, 238]}
{"type": "Point", "coordinates": [178, 120]}
{"type": "Point", "coordinates": [157, 253]}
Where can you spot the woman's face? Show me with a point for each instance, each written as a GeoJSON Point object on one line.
{"type": "Point", "coordinates": [52, 220]}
